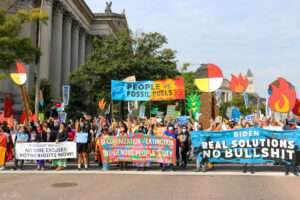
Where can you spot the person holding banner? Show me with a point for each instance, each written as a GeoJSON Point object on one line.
{"type": "Point", "coordinates": [3, 147]}
{"type": "Point", "coordinates": [82, 139]}
{"type": "Point", "coordinates": [22, 136]}
{"type": "Point", "coordinates": [291, 125]}
{"type": "Point", "coordinates": [105, 133]}
{"type": "Point", "coordinates": [123, 132]}
{"type": "Point", "coordinates": [170, 132]}
{"type": "Point", "coordinates": [184, 145]}
{"type": "Point", "coordinates": [41, 137]}
{"type": "Point", "coordinates": [62, 136]}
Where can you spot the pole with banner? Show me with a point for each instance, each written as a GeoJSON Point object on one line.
{"type": "Point", "coordinates": [20, 78]}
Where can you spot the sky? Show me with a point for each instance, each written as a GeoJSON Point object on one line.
{"type": "Point", "coordinates": [263, 35]}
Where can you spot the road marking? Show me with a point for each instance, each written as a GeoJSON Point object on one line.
{"type": "Point", "coordinates": [158, 173]}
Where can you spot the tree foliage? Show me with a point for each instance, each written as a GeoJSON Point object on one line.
{"type": "Point", "coordinates": [13, 46]}
{"type": "Point", "coordinates": [116, 57]}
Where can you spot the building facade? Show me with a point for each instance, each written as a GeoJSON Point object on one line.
{"type": "Point", "coordinates": [65, 41]}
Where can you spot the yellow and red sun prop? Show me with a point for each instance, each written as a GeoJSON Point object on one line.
{"type": "Point", "coordinates": [282, 96]}
{"type": "Point", "coordinates": [20, 77]}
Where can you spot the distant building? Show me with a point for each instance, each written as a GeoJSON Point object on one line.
{"type": "Point", "coordinates": [65, 41]}
{"type": "Point", "coordinates": [224, 93]}
{"type": "Point", "coordinates": [250, 77]}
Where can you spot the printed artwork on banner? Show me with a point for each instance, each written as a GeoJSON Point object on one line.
{"type": "Point", "coordinates": [170, 89]}
{"type": "Point", "coordinates": [159, 131]}
{"type": "Point", "coordinates": [138, 148]}
{"type": "Point", "coordinates": [82, 137]}
{"type": "Point", "coordinates": [253, 145]}
{"type": "Point", "coordinates": [45, 150]}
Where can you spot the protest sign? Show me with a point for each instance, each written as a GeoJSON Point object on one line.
{"type": "Point", "coordinates": [81, 137]}
{"type": "Point", "coordinates": [282, 97]}
{"type": "Point", "coordinates": [142, 111]}
{"type": "Point", "coordinates": [183, 120]}
{"type": "Point", "coordinates": [170, 89]}
{"type": "Point", "coordinates": [66, 94]}
{"type": "Point", "coordinates": [22, 137]}
{"type": "Point", "coordinates": [138, 148]}
{"type": "Point", "coordinates": [45, 151]}
{"type": "Point", "coordinates": [193, 104]}
{"type": "Point", "coordinates": [171, 111]}
{"type": "Point", "coordinates": [253, 145]}
{"type": "Point", "coordinates": [62, 116]}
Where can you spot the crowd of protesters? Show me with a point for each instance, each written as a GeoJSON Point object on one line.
{"type": "Point", "coordinates": [52, 130]}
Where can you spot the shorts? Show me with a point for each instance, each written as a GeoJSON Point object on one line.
{"type": "Point", "coordinates": [82, 148]}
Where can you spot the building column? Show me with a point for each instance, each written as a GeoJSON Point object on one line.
{"type": "Point", "coordinates": [56, 53]}
{"type": "Point", "coordinates": [45, 41]}
{"type": "Point", "coordinates": [82, 46]}
{"type": "Point", "coordinates": [67, 39]}
{"type": "Point", "coordinates": [75, 45]}
{"type": "Point", "coordinates": [89, 47]}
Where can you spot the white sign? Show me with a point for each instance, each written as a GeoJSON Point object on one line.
{"type": "Point", "coordinates": [45, 151]}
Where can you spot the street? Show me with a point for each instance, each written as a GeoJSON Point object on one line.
{"type": "Point", "coordinates": [146, 185]}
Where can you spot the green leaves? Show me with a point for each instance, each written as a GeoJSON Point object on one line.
{"type": "Point", "coordinates": [116, 57]}
{"type": "Point", "coordinates": [13, 46]}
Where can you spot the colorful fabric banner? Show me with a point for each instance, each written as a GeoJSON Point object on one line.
{"type": "Point", "coordinates": [170, 89]}
{"type": "Point", "coordinates": [45, 150]}
{"type": "Point", "coordinates": [253, 145]}
{"type": "Point", "coordinates": [138, 148]}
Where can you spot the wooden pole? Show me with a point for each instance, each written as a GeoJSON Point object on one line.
{"type": "Point", "coordinates": [149, 109]}
{"type": "Point", "coordinates": [213, 114]}
{"type": "Point", "coordinates": [112, 110]}
{"type": "Point", "coordinates": [25, 103]}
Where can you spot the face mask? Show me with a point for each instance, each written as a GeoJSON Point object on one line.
{"type": "Point", "coordinates": [184, 130]}
{"type": "Point", "coordinates": [170, 128]}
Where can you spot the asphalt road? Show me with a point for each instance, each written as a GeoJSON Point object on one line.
{"type": "Point", "coordinates": [87, 186]}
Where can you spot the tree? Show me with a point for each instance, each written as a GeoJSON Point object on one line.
{"type": "Point", "coordinates": [116, 57]}
{"type": "Point", "coordinates": [13, 46]}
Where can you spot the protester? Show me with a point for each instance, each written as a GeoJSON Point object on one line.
{"type": "Point", "coordinates": [183, 143]}
{"type": "Point", "coordinates": [3, 148]}
{"type": "Point", "coordinates": [62, 136]}
{"type": "Point", "coordinates": [291, 125]}
{"type": "Point", "coordinates": [41, 137]}
{"type": "Point", "coordinates": [22, 136]}
{"type": "Point", "coordinates": [170, 132]}
{"type": "Point", "coordinates": [83, 131]}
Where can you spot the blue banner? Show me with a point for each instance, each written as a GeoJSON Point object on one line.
{"type": "Point", "coordinates": [131, 91]}
{"type": "Point", "coordinates": [253, 145]}
{"type": "Point", "coordinates": [66, 94]}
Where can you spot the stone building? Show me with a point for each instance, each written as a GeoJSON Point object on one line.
{"type": "Point", "coordinates": [65, 40]}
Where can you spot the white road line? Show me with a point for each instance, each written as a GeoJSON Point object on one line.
{"type": "Point", "coordinates": [97, 172]}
